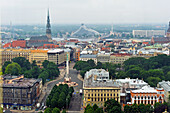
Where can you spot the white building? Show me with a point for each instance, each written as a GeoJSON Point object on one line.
{"type": "Point", "coordinates": [98, 75]}
{"type": "Point", "coordinates": [147, 95]}
{"type": "Point", "coordinates": [148, 33]}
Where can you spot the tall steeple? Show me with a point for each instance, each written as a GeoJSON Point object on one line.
{"type": "Point", "coordinates": [48, 27]}
{"type": "Point", "coordinates": [168, 31]}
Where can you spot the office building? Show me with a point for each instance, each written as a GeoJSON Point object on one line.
{"type": "Point", "coordinates": [98, 88]}
{"type": "Point", "coordinates": [148, 33]}
{"type": "Point", "coordinates": [56, 56]}
{"type": "Point", "coordinates": [147, 95]}
{"type": "Point", "coordinates": [20, 93]}
{"type": "Point", "coordinates": [166, 86]}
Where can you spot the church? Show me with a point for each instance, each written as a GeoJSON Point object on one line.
{"type": "Point", "coordinates": [39, 41]}
{"type": "Point", "coordinates": [162, 40]}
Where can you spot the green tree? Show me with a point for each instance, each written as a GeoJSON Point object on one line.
{"type": "Point", "coordinates": [91, 63]}
{"type": "Point", "coordinates": [135, 108]}
{"type": "Point", "coordinates": [167, 76]}
{"type": "Point", "coordinates": [33, 63]}
{"type": "Point", "coordinates": [35, 72]}
{"type": "Point", "coordinates": [112, 106]}
{"type": "Point", "coordinates": [142, 108]}
{"type": "Point", "coordinates": [13, 69]}
{"type": "Point", "coordinates": [153, 81]}
{"type": "Point", "coordinates": [52, 70]}
{"type": "Point", "coordinates": [47, 110]}
{"type": "Point", "coordinates": [127, 109]}
{"type": "Point", "coordinates": [44, 75]}
{"type": "Point", "coordinates": [99, 110]}
{"type": "Point", "coordinates": [5, 65]}
{"type": "Point", "coordinates": [64, 111]}
{"type": "Point", "coordinates": [95, 107]}
{"type": "Point", "coordinates": [23, 62]}
{"type": "Point", "coordinates": [56, 110]}
{"type": "Point", "coordinates": [45, 63]}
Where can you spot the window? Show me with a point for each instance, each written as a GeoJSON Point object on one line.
{"type": "Point", "coordinates": [138, 97]}
{"type": "Point", "coordinates": [152, 97]}
{"type": "Point", "coordinates": [107, 94]}
{"type": "Point", "coordinates": [111, 94]}
{"type": "Point", "coordinates": [142, 97]}
{"type": "Point", "coordinates": [148, 97]}
{"type": "Point", "coordinates": [135, 97]}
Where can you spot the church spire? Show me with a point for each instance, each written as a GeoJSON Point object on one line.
{"type": "Point", "coordinates": [48, 27]}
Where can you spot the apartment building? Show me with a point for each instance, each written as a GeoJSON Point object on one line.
{"type": "Point", "coordinates": [98, 88]}
{"type": "Point", "coordinates": [166, 86]}
{"type": "Point", "coordinates": [147, 95]}
{"type": "Point", "coordinates": [39, 56]}
{"type": "Point", "coordinates": [56, 56]}
{"type": "Point", "coordinates": [20, 93]}
{"type": "Point", "coordinates": [119, 58]}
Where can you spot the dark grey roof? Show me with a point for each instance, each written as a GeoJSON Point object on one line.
{"type": "Point", "coordinates": [39, 38]}
{"type": "Point", "coordinates": [88, 56]}
{"type": "Point", "coordinates": [162, 39]}
{"type": "Point", "coordinates": [37, 44]}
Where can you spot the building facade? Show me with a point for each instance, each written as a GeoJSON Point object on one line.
{"type": "Point", "coordinates": [39, 56]}
{"type": "Point", "coordinates": [119, 58]}
{"type": "Point", "coordinates": [86, 57]}
{"type": "Point", "coordinates": [98, 88]}
{"type": "Point", "coordinates": [20, 93]}
{"type": "Point", "coordinates": [103, 57]}
{"type": "Point", "coordinates": [56, 56]}
{"type": "Point", "coordinates": [148, 33]}
{"type": "Point", "coordinates": [147, 95]}
{"type": "Point", "coordinates": [9, 54]}
{"type": "Point", "coordinates": [166, 86]}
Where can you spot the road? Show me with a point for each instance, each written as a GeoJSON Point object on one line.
{"type": "Point", "coordinates": [75, 104]}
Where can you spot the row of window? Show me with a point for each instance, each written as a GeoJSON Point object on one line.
{"type": "Point", "coordinates": [108, 94]}
{"type": "Point", "coordinates": [145, 97]}
{"type": "Point", "coordinates": [103, 90]}
{"type": "Point", "coordinates": [100, 99]}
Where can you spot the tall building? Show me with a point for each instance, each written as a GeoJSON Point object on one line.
{"type": "Point", "coordinates": [20, 93]}
{"type": "Point", "coordinates": [168, 31]}
{"type": "Point", "coordinates": [48, 28]}
{"type": "Point", "coordinates": [162, 39]}
{"type": "Point", "coordinates": [166, 86]}
{"type": "Point", "coordinates": [148, 33]}
{"type": "Point", "coordinates": [98, 88]}
{"type": "Point", "coordinates": [56, 56]}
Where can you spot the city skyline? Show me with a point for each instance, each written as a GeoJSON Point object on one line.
{"type": "Point", "coordinates": [77, 11]}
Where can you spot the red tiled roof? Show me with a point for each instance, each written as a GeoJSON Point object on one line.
{"type": "Point", "coordinates": [19, 43]}
{"type": "Point", "coordinates": [7, 45]}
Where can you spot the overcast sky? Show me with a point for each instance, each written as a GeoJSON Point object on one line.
{"type": "Point", "coordinates": [85, 11]}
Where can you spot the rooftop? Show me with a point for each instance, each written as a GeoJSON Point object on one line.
{"type": "Point", "coordinates": [18, 81]}
{"type": "Point", "coordinates": [55, 51]}
{"type": "Point", "coordinates": [88, 56]}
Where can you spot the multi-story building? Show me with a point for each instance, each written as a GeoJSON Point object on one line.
{"type": "Point", "coordinates": [103, 57]}
{"type": "Point", "coordinates": [147, 95]}
{"type": "Point", "coordinates": [119, 58]}
{"type": "Point", "coordinates": [77, 54]}
{"type": "Point", "coordinates": [20, 93]}
{"type": "Point", "coordinates": [56, 56]}
{"type": "Point", "coordinates": [148, 33]}
{"type": "Point", "coordinates": [166, 86]}
{"type": "Point", "coordinates": [9, 54]}
{"type": "Point", "coordinates": [128, 84]}
{"type": "Point", "coordinates": [39, 56]}
{"type": "Point", "coordinates": [86, 57]}
{"type": "Point", "coordinates": [98, 88]}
